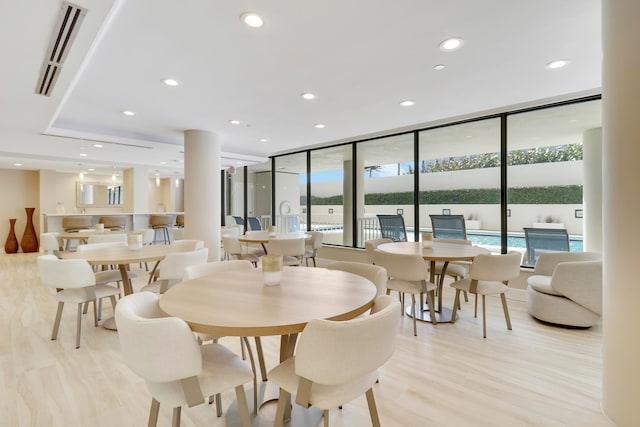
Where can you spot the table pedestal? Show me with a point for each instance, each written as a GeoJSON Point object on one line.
{"type": "Point", "coordinates": [442, 316]}
{"type": "Point", "coordinates": [268, 394]}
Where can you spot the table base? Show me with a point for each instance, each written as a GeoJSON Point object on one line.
{"type": "Point", "coordinates": [442, 316]}
{"type": "Point", "coordinates": [110, 324]}
{"type": "Point", "coordinates": [268, 394]}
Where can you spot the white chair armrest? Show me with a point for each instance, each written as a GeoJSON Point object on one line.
{"type": "Point", "coordinates": [581, 282]}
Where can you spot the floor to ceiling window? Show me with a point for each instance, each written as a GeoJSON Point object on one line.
{"type": "Point", "coordinates": [259, 193]}
{"type": "Point", "coordinates": [459, 172]}
{"type": "Point", "coordinates": [290, 192]}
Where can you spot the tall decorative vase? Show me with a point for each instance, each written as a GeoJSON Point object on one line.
{"type": "Point", "coordinates": [11, 245]}
{"type": "Point", "coordinates": [29, 242]}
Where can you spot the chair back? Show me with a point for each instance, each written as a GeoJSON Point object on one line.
{"type": "Point", "coordinates": [541, 240]}
{"type": "Point", "coordinates": [334, 353]}
{"type": "Point", "coordinates": [231, 245]}
{"type": "Point", "coordinates": [547, 261]}
{"type": "Point", "coordinates": [173, 265]}
{"type": "Point", "coordinates": [239, 220]}
{"type": "Point", "coordinates": [499, 268]}
{"type": "Point", "coordinates": [189, 244]}
{"type": "Point", "coordinates": [286, 247]}
{"type": "Point", "coordinates": [315, 242]}
{"type": "Point", "coordinates": [254, 223]}
{"type": "Point", "coordinates": [113, 222]}
{"type": "Point", "coordinates": [107, 237]}
{"type": "Point", "coordinates": [50, 242]}
{"type": "Point", "coordinates": [76, 223]}
{"type": "Point", "coordinates": [375, 273]}
{"type": "Point", "coordinates": [448, 226]}
{"type": "Point", "coordinates": [402, 266]}
{"type": "Point", "coordinates": [148, 234]}
{"type": "Point", "coordinates": [372, 245]}
{"type": "Point", "coordinates": [103, 245]}
{"type": "Point", "coordinates": [65, 273]}
{"type": "Point", "coordinates": [215, 267]}
{"type": "Point", "coordinates": [180, 220]}
{"type": "Point", "coordinates": [392, 227]}
{"type": "Point", "coordinates": [454, 241]}
{"type": "Point", "coordinates": [159, 349]}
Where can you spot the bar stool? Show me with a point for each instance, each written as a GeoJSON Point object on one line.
{"type": "Point", "coordinates": [161, 222]}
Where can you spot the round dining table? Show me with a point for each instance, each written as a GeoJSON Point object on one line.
{"type": "Point", "coordinates": [237, 303]}
{"type": "Point", "coordinates": [83, 235]}
{"type": "Point", "coordinates": [435, 252]}
{"type": "Point", "coordinates": [263, 237]}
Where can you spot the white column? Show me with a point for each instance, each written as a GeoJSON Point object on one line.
{"type": "Point", "coordinates": [135, 187]}
{"type": "Point", "coordinates": [592, 189]}
{"type": "Point", "coordinates": [621, 204]}
{"type": "Point", "coordinates": [202, 189]}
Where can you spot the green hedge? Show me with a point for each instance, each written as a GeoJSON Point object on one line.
{"type": "Point", "coordinates": [554, 195]}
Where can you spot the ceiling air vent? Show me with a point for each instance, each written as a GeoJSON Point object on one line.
{"type": "Point", "coordinates": [64, 33]}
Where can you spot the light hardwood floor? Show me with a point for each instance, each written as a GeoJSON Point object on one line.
{"type": "Point", "coordinates": [535, 375]}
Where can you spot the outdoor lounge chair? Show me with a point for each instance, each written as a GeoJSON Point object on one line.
{"type": "Point", "coordinates": [448, 227]}
{"type": "Point", "coordinates": [541, 240]}
{"type": "Point", "coordinates": [392, 227]}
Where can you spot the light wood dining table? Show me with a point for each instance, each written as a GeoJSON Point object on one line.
{"type": "Point", "coordinates": [438, 251]}
{"type": "Point", "coordinates": [123, 256]}
{"type": "Point", "coordinates": [237, 303]}
{"type": "Point", "coordinates": [263, 237]}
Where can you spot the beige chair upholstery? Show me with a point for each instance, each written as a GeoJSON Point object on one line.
{"type": "Point", "coordinates": [217, 267]}
{"type": "Point", "coordinates": [172, 268]}
{"type": "Point", "coordinates": [233, 249]}
{"type": "Point", "coordinates": [371, 245]}
{"type": "Point", "coordinates": [76, 223]}
{"type": "Point", "coordinates": [51, 243]}
{"type": "Point", "coordinates": [113, 222]}
{"type": "Point", "coordinates": [488, 275]}
{"type": "Point", "coordinates": [374, 273]}
{"type": "Point", "coordinates": [161, 223]}
{"type": "Point", "coordinates": [189, 244]}
{"type": "Point", "coordinates": [76, 283]}
{"type": "Point", "coordinates": [312, 245]}
{"type": "Point", "coordinates": [408, 275]}
{"type": "Point", "coordinates": [292, 250]}
{"type": "Point", "coordinates": [336, 362]}
{"type": "Point", "coordinates": [566, 288]}
{"type": "Point", "coordinates": [163, 351]}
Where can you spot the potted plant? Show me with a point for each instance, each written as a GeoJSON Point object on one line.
{"type": "Point", "coordinates": [548, 221]}
{"type": "Point", "coordinates": [472, 221]}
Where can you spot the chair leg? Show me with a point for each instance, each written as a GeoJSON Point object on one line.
{"type": "Point", "coordinates": [95, 311]}
{"type": "Point", "coordinates": [85, 308]}
{"type": "Point", "coordinates": [282, 403]}
{"type": "Point", "coordinates": [456, 303]}
{"type": "Point", "coordinates": [175, 421]}
{"type": "Point", "coordinates": [325, 415]}
{"type": "Point", "coordinates": [79, 325]}
{"type": "Point", "coordinates": [373, 410]}
{"type": "Point", "coordinates": [218, 405]}
{"type": "Point", "coordinates": [413, 310]}
{"type": "Point", "coordinates": [466, 297]}
{"type": "Point", "coordinates": [431, 300]}
{"type": "Point", "coordinates": [56, 324]}
{"type": "Point", "coordinates": [506, 310]}
{"type": "Point", "coordinates": [475, 312]}
{"type": "Point", "coordinates": [242, 406]}
{"type": "Point", "coordinates": [314, 261]}
{"type": "Point", "coordinates": [153, 413]}
{"type": "Point", "coordinates": [113, 302]}
{"type": "Point", "coordinates": [484, 317]}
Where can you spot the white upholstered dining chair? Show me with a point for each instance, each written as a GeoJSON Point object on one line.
{"type": "Point", "coordinates": [408, 274]}
{"type": "Point", "coordinates": [292, 250]}
{"type": "Point", "coordinates": [177, 370]}
{"type": "Point", "coordinates": [336, 362]}
{"type": "Point", "coordinates": [375, 273]}
{"type": "Point", "coordinates": [172, 268]}
{"type": "Point", "coordinates": [488, 275]}
{"type": "Point", "coordinates": [75, 283]}
{"type": "Point", "coordinates": [312, 245]}
{"type": "Point", "coordinates": [372, 245]}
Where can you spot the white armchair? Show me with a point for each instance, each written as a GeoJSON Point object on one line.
{"type": "Point", "coordinates": [566, 289]}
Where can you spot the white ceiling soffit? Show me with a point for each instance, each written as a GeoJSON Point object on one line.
{"type": "Point", "coordinates": [64, 32]}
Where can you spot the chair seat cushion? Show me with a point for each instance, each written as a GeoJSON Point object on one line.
{"type": "Point", "coordinates": [322, 396]}
{"type": "Point", "coordinates": [542, 284]}
{"type": "Point", "coordinates": [109, 276]}
{"type": "Point", "coordinates": [222, 370]}
{"type": "Point", "coordinates": [79, 295]}
{"type": "Point", "coordinates": [484, 287]}
{"type": "Point", "coordinates": [290, 260]}
{"type": "Point", "coordinates": [457, 270]}
{"type": "Point", "coordinates": [409, 287]}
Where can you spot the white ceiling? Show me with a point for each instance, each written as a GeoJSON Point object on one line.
{"type": "Point", "coordinates": [361, 58]}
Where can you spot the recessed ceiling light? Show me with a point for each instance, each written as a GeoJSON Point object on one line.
{"type": "Point", "coordinates": [91, 169]}
{"type": "Point", "coordinates": [234, 122]}
{"type": "Point", "coordinates": [451, 44]}
{"type": "Point", "coordinates": [319, 126]}
{"type": "Point", "coordinates": [252, 19]}
{"type": "Point", "coordinates": [129, 113]}
{"type": "Point", "coordinates": [238, 163]}
{"type": "Point", "coordinates": [163, 163]}
{"type": "Point", "coordinates": [557, 64]}
{"type": "Point", "coordinates": [308, 95]}
{"type": "Point", "coordinates": [171, 82]}
{"type": "Point", "coordinates": [84, 155]}
{"type": "Point", "coordinates": [408, 103]}
{"type": "Point", "coordinates": [263, 140]}
{"type": "Point", "coordinates": [98, 145]}
{"type": "Point", "coordinates": [438, 67]}
{"type": "Point", "coordinates": [17, 164]}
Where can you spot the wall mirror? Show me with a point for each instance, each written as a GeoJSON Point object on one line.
{"type": "Point", "coordinates": [97, 195]}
